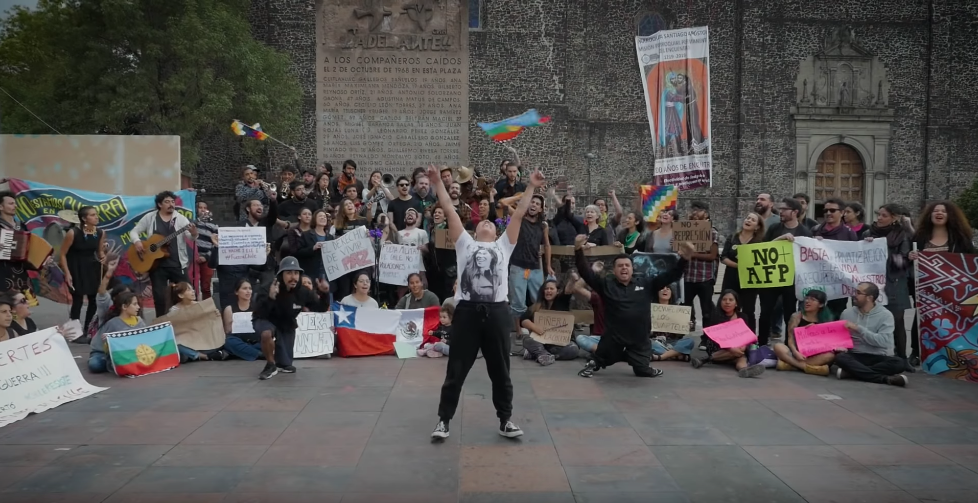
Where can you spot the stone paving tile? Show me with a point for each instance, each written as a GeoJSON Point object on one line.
{"type": "Point", "coordinates": [113, 455]}
{"type": "Point", "coordinates": [858, 497]}
{"type": "Point", "coordinates": [293, 497]}
{"type": "Point", "coordinates": [212, 455]}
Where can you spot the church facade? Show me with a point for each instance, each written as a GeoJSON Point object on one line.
{"type": "Point", "coordinates": [870, 101]}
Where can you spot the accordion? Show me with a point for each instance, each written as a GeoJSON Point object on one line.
{"type": "Point", "coordinates": [20, 246]}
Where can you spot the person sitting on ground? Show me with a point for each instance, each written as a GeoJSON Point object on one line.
{"type": "Point", "coordinates": [6, 318]}
{"type": "Point", "coordinates": [435, 344]}
{"type": "Point", "coordinates": [182, 295]}
{"type": "Point", "coordinates": [548, 299]}
{"type": "Point", "coordinates": [666, 346]}
{"type": "Point", "coordinates": [871, 326]}
{"type": "Point", "coordinates": [245, 344]}
{"type": "Point", "coordinates": [589, 342]}
{"type": "Point", "coordinates": [361, 292]}
{"type": "Point", "coordinates": [729, 311]}
{"type": "Point", "coordinates": [123, 316]}
{"type": "Point", "coordinates": [22, 323]}
{"type": "Point", "coordinates": [815, 310]}
{"type": "Point", "coordinates": [417, 297]}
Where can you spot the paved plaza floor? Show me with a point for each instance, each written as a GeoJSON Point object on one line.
{"type": "Point", "coordinates": [357, 430]}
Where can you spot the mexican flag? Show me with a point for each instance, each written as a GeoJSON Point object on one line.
{"type": "Point", "coordinates": [368, 332]}
{"type": "Point", "coordinates": [143, 351]}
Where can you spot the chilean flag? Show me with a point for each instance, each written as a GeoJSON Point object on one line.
{"type": "Point", "coordinates": [368, 332]}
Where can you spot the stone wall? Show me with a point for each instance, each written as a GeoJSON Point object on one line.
{"type": "Point", "coordinates": [575, 61]}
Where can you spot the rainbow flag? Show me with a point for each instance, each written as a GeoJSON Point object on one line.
{"type": "Point", "coordinates": [510, 128]}
{"type": "Point", "coordinates": [143, 351]}
{"type": "Point", "coordinates": [658, 198]}
{"type": "Point", "coordinates": [242, 129]}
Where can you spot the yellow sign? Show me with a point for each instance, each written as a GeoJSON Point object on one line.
{"type": "Point", "coordinates": [766, 265]}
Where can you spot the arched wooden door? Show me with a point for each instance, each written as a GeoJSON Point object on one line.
{"type": "Point", "coordinates": [839, 173]}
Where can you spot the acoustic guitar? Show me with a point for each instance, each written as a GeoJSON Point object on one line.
{"type": "Point", "coordinates": [154, 248]}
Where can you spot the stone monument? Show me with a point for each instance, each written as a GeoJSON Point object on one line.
{"type": "Point", "coordinates": [392, 83]}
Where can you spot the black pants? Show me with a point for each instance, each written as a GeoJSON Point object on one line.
{"type": "Point", "coordinates": [284, 342]}
{"type": "Point", "coordinates": [748, 299]}
{"type": "Point", "coordinates": [703, 290]}
{"type": "Point", "coordinates": [899, 332]}
{"type": "Point", "coordinates": [160, 279]}
{"type": "Point", "coordinates": [485, 326]}
{"type": "Point", "coordinates": [870, 368]}
{"type": "Point", "coordinates": [612, 349]}
{"type": "Point", "coordinates": [769, 299]}
{"type": "Point", "coordinates": [914, 336]}
{"type": "Point", "coordinates": [76, 305]}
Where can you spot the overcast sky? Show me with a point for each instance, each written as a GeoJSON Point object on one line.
{"type": "Point", "coordinates": [7, 4]}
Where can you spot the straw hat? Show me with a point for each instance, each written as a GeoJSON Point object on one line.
{"type": "Point", "coordinates": [70, 216]}
{"type": "Point", "coordinates": [464, 175]}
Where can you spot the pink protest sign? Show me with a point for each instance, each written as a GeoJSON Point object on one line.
{"type": "Point", "coordinates": [731, 334]}
{"type": "Point", "coordinates": [822, 338]}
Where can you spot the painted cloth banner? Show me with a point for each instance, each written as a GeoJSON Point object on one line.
{"type": "Point", "coordinates": [651, 264]}
{"type": "Point", "coordinates": [675, 67]}
{"type": "Point", "coordinates": [836, 267]}
{"type": "Point", "coordinates": [351, 252]}
{"type": "Point", "coordinates": [947, 313]}
{"type": "Point", "coordinates": [766, 265]}
{"type": "Point", "coordinates": [38, 205]}
{"type": "Point", "coordinates": [368, 331]}
{"type": "Point", "coordinates": [37, 373]}
{"type": "Point", "coordinates": [656, 199]}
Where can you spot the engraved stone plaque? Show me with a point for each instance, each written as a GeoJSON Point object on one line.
{"type": "Point", "coordinates": [393, 83]}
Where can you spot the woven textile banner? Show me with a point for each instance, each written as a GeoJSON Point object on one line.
{"type": "Point", "coordinates": [947, 301]}
{"type": "Point", "coordinates": [675, 67]}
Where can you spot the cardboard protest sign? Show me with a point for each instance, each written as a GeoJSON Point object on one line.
{"type": "Point", "coordinates": [731, 334]}
{"type": "Point", "coordinates": [442, 241]}
{"type": "Point", "coordinates": [241, 245]}
{"type": "Point", "coordinates": [836, 267]}
{"type": "Point", "coordinates": [397, 262]}
{"type": "Point", "coordinates": [37, 373]}
{"type": "Point", "coordinates": [198, 326]}
{"type": "Point", "coordinates": [314, 335]}
{"type": "Point", "coordinates": [699, 233]}
{"type": "Point", "coordinates": [351, 252]}
{"type": "Point", "coordinates": [766, 265]}
{"type": "Point", "coordinates": [558, 327]}
{"type": "Point", "coordinates": [822, 338]}
{"type": "Point", "coordinates": [670, 319]}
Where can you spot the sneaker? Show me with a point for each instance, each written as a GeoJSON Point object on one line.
{"type": "Point", "coordinates": [546, 360]}
{"type": "Point", "coordinates": [288, 369]}
{"type": "Point", "coordinates": [441, 430]}
{"type": "Point", "coordinates": [696, 362]}
{"type": "Point", "coordinates": [898, 380]}
{"type": "Point", "coordinates": [702, 347]}
{"type": "Point", "coordinates": [784, 366]}
{"type": "Point", "coordinates": [588, 370]}
{"type": "Point", "coordinates": [914, 360]}
{"type": "Point", "coordinates": [837, 372]}
{"type": "Point", "coordinates": [751, 371]}
{"type": "Point", "coordinates": [817, 370]}
{"type": "Point", "coordinates": [510, 430]}
{"type": "Point", "coordinates": [270, 370]}
{"type": "Point", "coordinates": [526, 354]}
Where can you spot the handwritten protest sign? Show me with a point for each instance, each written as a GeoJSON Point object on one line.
{"type": "Point", "coordinates": [731, 334]}
{"type": "Point", "coordinates": [766, 265]}
{"type": "Point", "coordinates": [241, 323]}
{"type": "Point", "coordinates": [37, 373]}
{"type": "Point", "coordinates": [699, 233]}
{"type": "Point", "coordinates": [558, 327]}
{"type": "Point", "coordinates": [314, 335]}
{"type": "Point", "coordinates": [670, 319]}
{"type": "Point", "coordinates": [241, 245]}
{"type": "Point", "coordinates": [397, 262]}
{"type": "Point", "coordinates": [822, 338]}
{"type": "Point", "coordinates": [836, 267]}
{"type": "Point", "coordinates": [351, 252]}
{"type": "Point", "coordinates": [442, 241]}
{"type": "Point", "coordinates": [198, 326]}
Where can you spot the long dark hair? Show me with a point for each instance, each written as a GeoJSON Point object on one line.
{"type": "Point", "coordinates": [540, 304]}
{"type": "Point", "coordinates": [718, 315]}
{"type": "Point", "coordinates": [120, 301]}
{"type": "Point", "coordinates": [81, 217]}
{"type": "Point", "coordinates": [176, 290]}
{"type": "Point", "coordinates": [959, 231]}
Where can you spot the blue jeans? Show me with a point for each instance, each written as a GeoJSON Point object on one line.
{"type": "Point", "coordinates": [520, 281]}
{"type": "Point", "coordinates": [682, 346]}
{"type": "Point", "coordinates": [244, 349]}
{"type": "Point", "coordinates": [187, 354]}
{"type": "Point", "coordinates": [98, 362]}
{"type": "Point", "coordinates": [588, 342]}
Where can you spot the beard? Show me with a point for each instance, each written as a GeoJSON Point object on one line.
{"type": "Point", "coordinates": [759, 208]}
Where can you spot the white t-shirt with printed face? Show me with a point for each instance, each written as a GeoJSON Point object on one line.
{"type": "Point", "coordinates": [414, 237]}
{"type": "Point", "coordinates": [483, 269]}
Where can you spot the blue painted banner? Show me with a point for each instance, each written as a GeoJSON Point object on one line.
{"type": "Point", "coordinates": [38, 205]}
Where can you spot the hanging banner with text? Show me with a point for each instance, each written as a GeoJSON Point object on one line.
{"type": "Point", "coordinates": [675, 69]}
{"type": "Point", "coordinates": [558, 327]}
{"type": "Point", "coordinates": [766, 265]}
{"type": "Point", "coordinates": [241, 245]}
{"type": "Point", "coordinates": [836, 267]}
{"type": "Point", "coordinates": [670, 319]}
{"type": "Point", "coordinates": [38, 205]}
{"type": "Point", "coordinates": [314, 335]}
{"type": "Point", "coordinates": [351, 252]}
{"type": "Point", "coordinates": [397, 262]}
{"type": "Point", "coordinates": [37, 373]}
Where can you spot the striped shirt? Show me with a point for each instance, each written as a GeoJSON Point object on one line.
{"type": "Point", "coordinates": [204, 232]}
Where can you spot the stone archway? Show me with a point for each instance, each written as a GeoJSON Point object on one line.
{"type": "Point", "coordinates": [839, 173]}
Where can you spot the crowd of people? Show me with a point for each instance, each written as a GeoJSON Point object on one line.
{"type": "Point", "coordinates": [499, 274]}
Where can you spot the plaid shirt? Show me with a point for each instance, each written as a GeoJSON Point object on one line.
{"type": "Point", "coordinates": [698, 271]}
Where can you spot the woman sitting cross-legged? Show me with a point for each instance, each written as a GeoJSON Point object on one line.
{"type": "Point", "coordinates": [182, 295]}
{"type": "Point", "coordinates": [674, 348]}
{"type": "Point", "coordinates": [547, 300]}
{"type": "Point", "coordinates": [729, 311]}
{"type": "Point", "coordinates": [814, 311]}
{"type": "Point", "coordinates": [243, 343]}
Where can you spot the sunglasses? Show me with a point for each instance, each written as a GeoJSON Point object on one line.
{"type": "Point", "coordinates": [404, 185]}
{"type": "Point", "coordinates": [831, 210]}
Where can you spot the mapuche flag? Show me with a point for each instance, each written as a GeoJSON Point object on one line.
{"type": "Point", "coordinates": [368, 332]}
{"type": "Point", "coordinates": [142, 351]}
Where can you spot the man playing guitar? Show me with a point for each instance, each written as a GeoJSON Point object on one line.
{"type": "Point", "coordinates": [173, 268]}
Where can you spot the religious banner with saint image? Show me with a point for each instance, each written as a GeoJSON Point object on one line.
{"type": "Point", "coordinates": [675, 66]}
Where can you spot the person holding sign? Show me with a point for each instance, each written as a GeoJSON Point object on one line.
{"type": "Point", "coordinates": [871, 326]}
{"type": "Point", "coordinates": [311, 243]}
{"type": "Point", "coordinates": [241, 340]}
{"type": "Point", "coordinates": [549, 299]}
{"type": "Point", "coordinates": [751, 232]}
{"type": "Point", "coordinates": [835, 230]}
{"type": "Point", "coordinates": [628, 311]}
{"type": "Point", "coordinates": [482, 317]}
{"type": "Point", "coordinates": [889, 225]}
{"type": "Point", "coordinates": [728, 312]}
{"type": "Point", "coordinates": [676, 347]}
{"type": "Point", "coordinates": [815, 310]}
{"type": "Point", "coordinates": [786, 230]}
